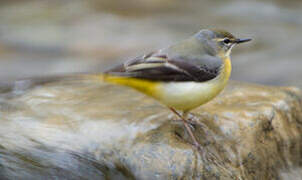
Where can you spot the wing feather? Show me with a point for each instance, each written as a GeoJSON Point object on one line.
{"type": "Point", "coordinates": [158, 67]}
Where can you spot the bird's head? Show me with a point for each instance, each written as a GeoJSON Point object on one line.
{"type": "Point", "coordinates": [218, 42]}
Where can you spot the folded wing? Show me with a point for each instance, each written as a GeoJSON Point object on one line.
{"type": "Point", "coordinates": [159, 67]}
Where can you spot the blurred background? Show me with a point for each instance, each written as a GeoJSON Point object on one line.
{"type": "Point", "coordinates": [51, 37]}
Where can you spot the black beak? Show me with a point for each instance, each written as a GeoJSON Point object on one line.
{"type": "Point", "coordinates": [238, 41]}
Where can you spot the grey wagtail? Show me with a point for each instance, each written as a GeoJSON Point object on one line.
{"type": "Point", "coordinates": [182, 76]}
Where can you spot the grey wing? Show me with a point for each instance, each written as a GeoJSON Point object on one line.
{"type": "Point", "coordinates": [159, 67]}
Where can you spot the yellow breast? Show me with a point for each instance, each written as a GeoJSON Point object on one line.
{"type": "Point", "coordinates": [189, 95]}
{"type": "Point", "coordinates": [226, 72]}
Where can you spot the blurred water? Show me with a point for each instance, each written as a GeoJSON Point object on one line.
{"type": "Point", "coordinates": [39, 38]}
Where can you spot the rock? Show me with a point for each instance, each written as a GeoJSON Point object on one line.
{"type": "Point", "coordinates": [91, 130]}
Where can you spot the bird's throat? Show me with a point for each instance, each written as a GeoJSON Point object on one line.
{"type": "Point", "coordinates": [226, 73]}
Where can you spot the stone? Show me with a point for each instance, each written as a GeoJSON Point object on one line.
{"type": "Point", "coordinates": [82, 129]}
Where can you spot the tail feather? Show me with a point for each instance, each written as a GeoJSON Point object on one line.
{"type": "Point", "coordinates": [145, 86]}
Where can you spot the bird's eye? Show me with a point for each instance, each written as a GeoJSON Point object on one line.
{"type": "Point", "coordinates": [226, 41]}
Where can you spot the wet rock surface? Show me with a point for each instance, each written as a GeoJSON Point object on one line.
{"type": "Point", "coordinates": [91, 130]}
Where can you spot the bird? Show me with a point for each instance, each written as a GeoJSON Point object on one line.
{"type": "Point", "coordinates": [182, 76]}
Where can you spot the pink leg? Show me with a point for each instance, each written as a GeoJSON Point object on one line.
{"type": "Point", "coordinates": [196, 144]}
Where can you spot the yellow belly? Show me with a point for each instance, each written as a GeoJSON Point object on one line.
{"type": "Point", "coordinates": [179, 95]}
{"type": "Point", "coordinates": [188, 95]}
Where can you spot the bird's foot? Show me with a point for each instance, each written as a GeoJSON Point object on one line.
{"type": "Point", "coordinates": [192, 124]}
{"type": "Point", "coordinates": [191, 117]}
